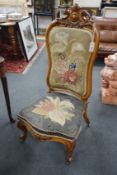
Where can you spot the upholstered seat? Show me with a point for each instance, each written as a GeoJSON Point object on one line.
{"type": "Point", "coordinates": [43, 117]}
{"type": "Point", "coordinates": [58, 116]}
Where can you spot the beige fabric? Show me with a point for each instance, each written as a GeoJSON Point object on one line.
{"type": "Point", "coordinates": [70, 56]}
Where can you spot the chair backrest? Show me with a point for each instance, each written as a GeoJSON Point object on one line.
{"type": "Point", "coordinates": [70, 42]}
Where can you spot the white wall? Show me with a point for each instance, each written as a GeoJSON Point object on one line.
{"type": "Point", "coordinates": [57, 3]}
{"type": "Point", "coordinates": [88, 3]}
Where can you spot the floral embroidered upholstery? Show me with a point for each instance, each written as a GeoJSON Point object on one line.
{"type": "Point", "coordinates": [60, 114]}
{"type": "Point", "coordinates": [70, 50]}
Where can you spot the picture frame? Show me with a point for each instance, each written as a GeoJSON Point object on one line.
{"type": "Point", "coordinates": [27, 36]}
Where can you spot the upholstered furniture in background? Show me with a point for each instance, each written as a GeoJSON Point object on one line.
{"type": "Point", "coordinates": [108, 35]}
{"type": "Point", "coordinates": [109, 80]}
{"type": "Point", "coordinates": [58, 116]}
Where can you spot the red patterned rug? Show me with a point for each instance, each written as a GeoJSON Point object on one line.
{"type": "Point", "coordinates": [21, 65]}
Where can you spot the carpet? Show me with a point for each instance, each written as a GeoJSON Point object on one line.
{"type": "Point", "coordinates": [96, 149]}
{"type": "Point", "coordinates": [21, 65]}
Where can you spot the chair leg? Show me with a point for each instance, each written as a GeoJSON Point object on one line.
{"type": "Point", "coordinates": [85, 114]}
{"type": "Point", "coordinates": [70, 147]}
{"type": "Point", "coordinates": [21, 126]}
{"type": "Point", "coordinates": [86, 119]}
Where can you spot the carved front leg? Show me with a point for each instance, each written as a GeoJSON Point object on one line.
{"type": "Point", "coordinates": [70, 147]}
{"type": "Point", "coordinates": [85, 114]}
{"type": "Point", "coordinates": [21, 126]}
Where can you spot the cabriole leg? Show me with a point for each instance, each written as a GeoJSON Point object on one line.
{"type": "Point", "coordinates": [85, 114]}
{"type": "Point", "coordinates": [70, 147]}
{"type": "Point", "coordinates": [21, 126]}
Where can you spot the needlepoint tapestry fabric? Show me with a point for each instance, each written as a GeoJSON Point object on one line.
{"type": "Point", "coordinates": [55, 114]}
{"type": "Point", "coordinates": [70, 50]}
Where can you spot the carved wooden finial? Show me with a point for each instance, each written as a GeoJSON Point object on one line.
{"type": "Point", "coordinates": [75, 8]}
{"type": "Point", "coordinates": [76, 17]}
{"type": "Point", "coordinates": [74, 13]}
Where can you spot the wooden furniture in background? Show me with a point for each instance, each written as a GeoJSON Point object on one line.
{"type": "Point", "coordinates": [58, 116]}
{"type": "Point", "coordinates": [5, 88]}
{"type": "Point", "coordinates": [42, 8]}
{"type": "Point", "coordinates": [9, 42]}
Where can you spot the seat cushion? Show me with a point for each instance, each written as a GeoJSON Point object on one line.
{"type": "Point", "coordinates": [56, 114]}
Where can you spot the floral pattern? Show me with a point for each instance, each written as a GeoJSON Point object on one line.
{"type": "Point", "coordinates": [70, 56]}
{"type": "Point", "coordinates": [56, 110]}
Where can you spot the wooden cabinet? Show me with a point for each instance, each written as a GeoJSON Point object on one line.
{"type": "Point", "coordinates": [44, 7]}
{"type": "Point", "coordinates": [10, 42]}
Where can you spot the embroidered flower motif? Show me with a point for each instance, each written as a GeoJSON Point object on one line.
{"type": "Point", "coordinates": [70, 77]}
{"type": "Point", "coordinates": [56, 110]}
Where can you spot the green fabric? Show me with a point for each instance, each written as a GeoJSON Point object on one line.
{"type": "Point", "coordinates": [70, 56]}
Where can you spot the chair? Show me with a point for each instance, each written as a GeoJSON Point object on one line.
{"type": "Point", "coordinates": [58, 116]}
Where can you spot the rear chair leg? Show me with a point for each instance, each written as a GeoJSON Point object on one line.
{"type": "Point", "coordinates": [86, 119]}
{"type": "Point", "coordinates": [21, 126]}
{"type": "Point", "coordinates": [85, 114]}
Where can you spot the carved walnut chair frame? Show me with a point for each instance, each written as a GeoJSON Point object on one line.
{"type": "Point", "coordinates": [75, 18]}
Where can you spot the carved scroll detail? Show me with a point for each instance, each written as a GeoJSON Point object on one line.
{"type": "Point", "coordinates": [76, 17]}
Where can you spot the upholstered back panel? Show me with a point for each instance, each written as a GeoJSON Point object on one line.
{"type": "Point", "coordinates": [69, 52]}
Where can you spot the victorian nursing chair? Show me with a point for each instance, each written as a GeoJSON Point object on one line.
{"type": "Point", "coordinates": [58, 117]}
